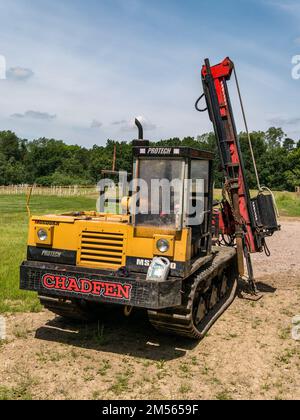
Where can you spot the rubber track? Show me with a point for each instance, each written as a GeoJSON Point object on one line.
{"type": "Point", "coordinates": [179, 321]}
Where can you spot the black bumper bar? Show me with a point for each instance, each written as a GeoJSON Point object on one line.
{"type": "Point", "coordinates": [99, 286]}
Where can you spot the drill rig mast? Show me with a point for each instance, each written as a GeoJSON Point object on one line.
{"type": "Point", "coordinates": [250, 220]}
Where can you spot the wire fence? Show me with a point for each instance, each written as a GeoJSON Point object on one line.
{"type": "Point", "coordinates": [59, 191]}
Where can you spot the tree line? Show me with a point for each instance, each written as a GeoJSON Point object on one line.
{"type": "Point", "coordinates": [50, 162]}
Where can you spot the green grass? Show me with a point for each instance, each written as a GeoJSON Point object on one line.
{"type": "Point", "coordinates": [21, 391]}
{"type": "Point", "coordinates": [288, 203]}
{"type": "Point", "coordinates": [185, 389]}
{"type": "Point", "coordinates": [13, 240]}
{"type": "Point", "coordinates": [104, 368]}
{"type": "Point", "coordinates": [121, 383]}
{"type": "Point", "coordinates": [12, 394]}
{"type": "Point", "coordinates": [224, 396]}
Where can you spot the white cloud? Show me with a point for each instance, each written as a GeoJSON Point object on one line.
{"type": "Point", "coordinates": [19, 74]}
{"type": "Point", "coordinates": [129, 126]}
{"type": "Point", "coordinates": [35, 115]}
{"type": "Point", "coordinates": [283, 121]}
{"type": "Point", "coordinates": [120, 122]}
{"type": "Point", "coordinates": [291, 7]}
{"type": "Point", "coordinates": [96, 124]}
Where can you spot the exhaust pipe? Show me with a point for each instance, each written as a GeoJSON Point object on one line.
{"type": "Point", "coordinates": [140, 128]}
{"type": "Point", "coordinates": [140, 142]}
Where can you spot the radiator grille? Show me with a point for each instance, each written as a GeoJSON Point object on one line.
{"type": "Point", "coordinates": [102, 249]}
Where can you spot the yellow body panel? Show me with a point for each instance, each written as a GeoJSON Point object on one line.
{"type": "Point", "coordinates": [105, 240]}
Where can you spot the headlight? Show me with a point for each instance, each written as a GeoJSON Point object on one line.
{"type": "Point", "coordinates": [42, 235]}
{"type": "Point", "coordinates": [163, 245]}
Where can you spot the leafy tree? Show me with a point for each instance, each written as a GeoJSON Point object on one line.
{"type": "Point", "coordinates": [44, 157]}
{"type": "Point", "coordinates": [274, 137]}
{"type": "Point", "coordinates": [293, 171]}
{"type": "Point", "coordinates": [52, 162]}
{"type": "Point", "coordinates": [62, 179]}
{"type": "Point", "coordinates": [289, 144]}
{"type": "Point", "coordinates": [10, 145]}
{"type": "Point", "coordinates": [11, 172]}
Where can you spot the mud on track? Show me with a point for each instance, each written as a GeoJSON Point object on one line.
{"type": "Point", "coordinates": [248, 354]}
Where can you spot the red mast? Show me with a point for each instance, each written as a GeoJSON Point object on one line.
{"type": "Point", "coordinates": [249, 221]}
{"type": "Point", "coordinates": [232, 158]}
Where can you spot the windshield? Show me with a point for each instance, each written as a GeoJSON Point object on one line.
{"type": "Point", "coordinates": [160, 193]}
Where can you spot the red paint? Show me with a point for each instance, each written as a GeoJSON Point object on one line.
{"type": "Point", "coordinates": [60, 283]}
{"type": "Point", "coordinates": [49, 281]}
{"type": "Point", "coordinates": [221, 73]}
{"type": "Point", "coordinates": [85, 286]}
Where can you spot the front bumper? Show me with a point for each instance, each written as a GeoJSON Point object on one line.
{"type": "Point", "coordinates": [71, 282]}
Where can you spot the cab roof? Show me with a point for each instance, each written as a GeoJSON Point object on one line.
{"type": "Point", "coordinates": [171, 152]}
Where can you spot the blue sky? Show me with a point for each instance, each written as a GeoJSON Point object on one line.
{"type": "Point", "coordinates": [82, 70]}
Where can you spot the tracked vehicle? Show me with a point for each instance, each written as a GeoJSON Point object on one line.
{"type": "Point", "coordinates": [182, 267]}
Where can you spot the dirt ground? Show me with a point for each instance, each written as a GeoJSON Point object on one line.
{"type": "Point", "coordinates": [249, 353]}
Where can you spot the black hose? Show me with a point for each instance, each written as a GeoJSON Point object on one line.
{"type": "Point", "coordinates": [266, 249]}
{"type": "Point", "coordinates": [197, 104]}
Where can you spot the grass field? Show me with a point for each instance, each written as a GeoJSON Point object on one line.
{"type": "Point", "coordinates": [13, 239]}
{"type": "Point", "coordinates": [288, 203]}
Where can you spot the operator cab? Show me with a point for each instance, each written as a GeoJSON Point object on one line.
{"type": "Point", "coordinates": [172, 191]}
